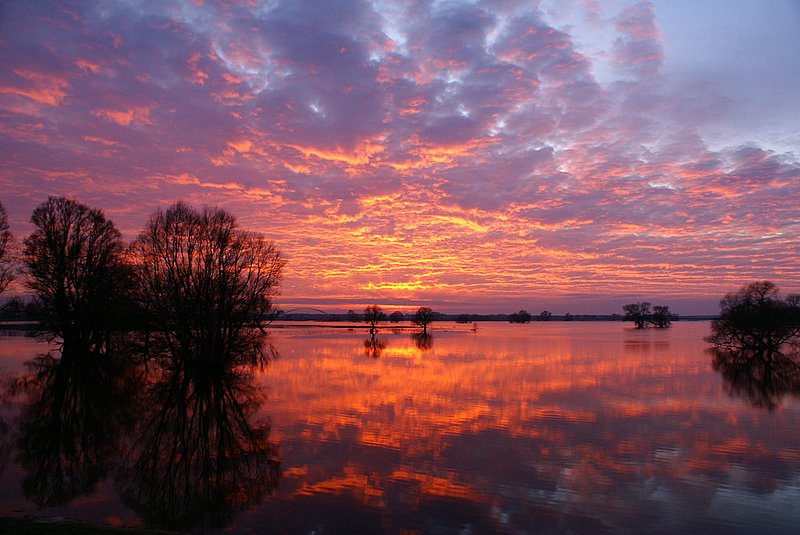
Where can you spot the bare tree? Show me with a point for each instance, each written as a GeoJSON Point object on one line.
{"type": "Point", "coordinates": [6, 243]}
{"type": "Point", "coordinates": [661, 317]}
{"type": "Point", "coordinates": [75, 261]}
{"type": "Point", "coordinates": [422, 317]}
{"type": "Point", "coordinates": [756, 319]}
{"type": "Point", "coordinates": [205, 283]}
{"type": "Point", "coordinates": [638, 313]}
{"type": "Point", "coordinates": [373, 315]}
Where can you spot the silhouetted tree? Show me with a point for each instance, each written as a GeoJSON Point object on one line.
{"type": "Point", "coordinates": [373, 315]}
{"type": "Point", "coordinates": [523, 316]}
{"type": "Point", "coordinates": [205, 284]}
{"type": "Point", "coordinates": [352, 316]}
{"type": "Point", "coordinates": [756, 319]}
{"type": "Point", "coordinates": [638, 313]}
{"type": "Point", "coordinates": [568, 317]}
{"type": "Point", "coordinates": [75, 261]}
{"type": "Point", "coordinates": [396, 316]}
{"type": "Point", "coordinates": [6, 243]}
{"type": "Point", "coordinates": [545, 315]}
{"type": "Point", "coordinates": [423, 317]}
{"type": "Point", "coordinates": [661, 317]}
{"type": "Point", "coordinates": [463, 318]}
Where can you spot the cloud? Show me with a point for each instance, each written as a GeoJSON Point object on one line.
{"type": "Point", "coordinates": [440, 149]}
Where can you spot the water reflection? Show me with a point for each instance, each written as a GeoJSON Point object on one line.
{"type": "Point", "coordinates": [79, 403]}
{"type": "Point", "coordinates": [761, 378]}
{"type": "Point", "coordinates": [423, 341]}
{"type": "Point", "coordinates": [549, 427]}
{"type": "Point", "coordinates": [374, 346]}
{"type": "Point", "coordinates": [199, 457]}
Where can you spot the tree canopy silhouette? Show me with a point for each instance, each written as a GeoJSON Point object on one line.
{"type": "Point", "coordinates": [637, 313]}
{"type": "Point", "coordinates": [6, 241]}
{"type": "Point", "coordinates": [205, 283]}
{"type": "Point", "coordinates": [661, 317]}
{"type": "Point", "coordinates": [641, 314]}
{"type": "Point", "coordinates": [423, 317]}
{"type": "Point", "coordinates": [757, 319]}
{"type": "Point", "coordinates": [373, 315]}
{"type": "Point", "coordinates": [75, 260]}
{"type": "Point", "coordinates": [523, 316]}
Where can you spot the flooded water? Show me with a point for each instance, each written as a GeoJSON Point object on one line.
{"type": "Point", "coordinates": [560, 427]}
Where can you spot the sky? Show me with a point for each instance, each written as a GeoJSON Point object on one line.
{"type": "Point", "coordinates": [472, 156]}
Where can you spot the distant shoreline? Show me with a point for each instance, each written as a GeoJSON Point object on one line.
{"type": "Point", "coordinates": [341, 321]}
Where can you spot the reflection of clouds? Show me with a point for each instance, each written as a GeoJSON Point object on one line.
{"type": "Point", "coordinates": [553, 426]}
{"type": "Point", "coordinates": [774, 511]}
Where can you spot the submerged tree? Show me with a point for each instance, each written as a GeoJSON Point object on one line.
{"type": "Point", "coordinates": [661, 317]}
{"type": "Point", "coordinates": [373, 315]}
{"type": "Point", "coordinates": [396, 316]}
{"type": "Point", "coordinates": [423, 317]}
{"type": "Point", "coordinates": [205, 284]}
{"type": "Point", "coordinates": [6, 241]}
{"type": "Point", "coordinates": [638, 313]}
{"type": "Point", "coordinates": [75, 261]}
{"type": "Point", "coordinates": [641, 315]}
{"type": "Point", "coordinates": [756, 319]}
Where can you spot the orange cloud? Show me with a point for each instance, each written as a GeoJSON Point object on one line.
{"type": "Point", "coordinates": [137, 115]}
{"type": "Point", "coordinates": [43, 88]}
{"type": "Point", "coordinates": [87, 65]}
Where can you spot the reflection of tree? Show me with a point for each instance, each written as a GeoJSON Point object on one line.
{"type": "Point", "coordinates": [198, 459]}
{"type": "Point", "coordinates": [760, 378]}
{"type": "Point", "coordinates": [423, 340]}
{"type": "Point", "coordinates": [71, 428]}
{"type": "Point", "coordinates": [373, 346]}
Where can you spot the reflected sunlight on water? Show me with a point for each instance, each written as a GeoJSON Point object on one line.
{"type": "Point", "coordinates": [557, 426]}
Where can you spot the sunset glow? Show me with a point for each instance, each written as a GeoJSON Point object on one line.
{"type": "Point", "coordinates": [470, 156]}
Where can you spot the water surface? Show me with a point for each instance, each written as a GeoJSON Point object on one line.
{"type": "Point", "coordinates": [544, 427]}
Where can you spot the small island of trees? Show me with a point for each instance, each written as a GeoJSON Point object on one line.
{"type": "Point", "coordinates": [641, 315]}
